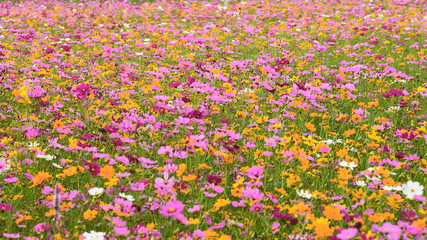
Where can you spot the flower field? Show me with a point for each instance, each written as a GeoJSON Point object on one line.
{"type": "Point", "coordinates": [213, 120]}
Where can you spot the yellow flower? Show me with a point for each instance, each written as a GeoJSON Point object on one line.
{"type": "Point", "coordinates": [220, 203]}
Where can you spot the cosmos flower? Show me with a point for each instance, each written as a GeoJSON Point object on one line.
{"type": "Point", "coordinates": [92, 235]}
{"type": "Point", "coordinates": [346, 234]}
{"type": "Point", "coordinates": [410, 189]}
{"type": "Point", "coordinates": [95, 191]}
{"type": "Point", "coordinates": [172, 208]}
{"type": "Point", "coordinates": [257, 208]}
{"type": "Point", "coordinates": [304, 194]}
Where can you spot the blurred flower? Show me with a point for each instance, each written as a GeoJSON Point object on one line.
{"type": "Point", "coordinates": [93, 235]}
{"type": "Point", "coordinates": [304, 194]}
{"type": "Point", "coordinates": [95, 191]}
{"type": "Point", "coordinates": [171, 208]}
{"type": "Point", "coordinates": [346, 234]}
{"type": "Point", "coordinates": [410, 189]}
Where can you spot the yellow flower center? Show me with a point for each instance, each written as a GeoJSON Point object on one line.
{"type": "Point", "coordinates": [171, 210]}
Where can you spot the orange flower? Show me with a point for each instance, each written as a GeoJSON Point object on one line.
{"type": "Point", "coordinates": [181, 169]}
{"type": "Point", "coordinates": [39, 178]}
{"type": "Point", "coordinates": [343, 152]}
{"type": "Point", "coordinates": [333, 213]}
{"type": "Point", "coordinates": [310, 126]}
{"type": "Point", "coordinates": [420, 223]}
{"type": "Point", "coordinates": [299, 208]}
{"type": "Point", "coordinates": [70, 171]}
{"type": "Point", "coordinates": [90, 214]}
{"type": "Point", "coordinates": [349, 132]}
{"type": "Point", "coordinates": [50, 213]}
{"type": "Point", "coordinates": [321, 228]}
{"type": "Point", "coordinates": [189, 177]}
{"type": "Point", "coordinates": [356, 118]}
{"type": "Point", "coordinates": [107, 172]}
{"type": "Point", "coordinates": [237, 192]}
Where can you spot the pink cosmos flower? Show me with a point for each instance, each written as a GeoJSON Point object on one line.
{"type": "Point", "coordinates": [182, 120]}
{"type": "Point", "coordinates": [6, 207]}
{"type": "Point", "coordinates": [122, 231]}
{"type": "Point", "coordinates": [195, 208]}
{"type": "Point", "coordinates": [139, 186]}
{"type": "Point", "coordinates": [170, 168]}
{"type": "Point", "coordinates": [199, 234]}
{"type": "Point", "coordinates": [275, 227]}
{"type": "Point", "coordinates": [171, 208]}
{"type": "Point", "coordinates": [255, 172]}
{"type": "Point", "coordinates": [83, 90]}
{"type": "Point", "coordinates": [123, 160]}
{"type": "Point", "coordinates": [32, 133]}
{"type": "Point", "coordinates": [257, 208]}
{"type": "Point", "coordinates": [10, 179]}
{"type": "Point", "coordinates": [11, 235]}
{"type": "Point", "coordinates": [347, 234]}
{"type": "Point", "coordinates": [252, 193]}
{"type": "Point", "coordinates": [271, 142]}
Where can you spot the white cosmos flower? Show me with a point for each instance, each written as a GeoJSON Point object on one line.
{"type": "Point", "coordinates": [350, 165]}
{"type": "Point", "coordinates": [304, 194]}
{"type": "Point", "coordinates": [127, 197]}
{"type": "Point", "coordinates": [410, 189]}
{"type": "Point", "coordinates": [93, 235]}
{"type": "Point", "coordinates": [33, 145]}
{"type": "Point", "coordinates": [57, 165]}
{"type": "Point", "coordinates": [95, 191]}
{"type": "Point", "coordinates": [49, 157]}
{"type": "Point", "coordinates": [360, 183]}
{"type": "Point", "coordinates": [393, 188]}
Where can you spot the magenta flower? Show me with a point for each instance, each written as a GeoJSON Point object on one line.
{"type": "Point", "coordinates": [172, 208]}
{"type": "Point", "coordinates": [214, 179]}
{"type": "Point", "coordinates": [6, 207]}
{"type": "Point", "coordinates": [32, 133]}
{"type": "Point", "coordinates": [40, 227]}
{"type": "Point", "coordinates": [257, 208]}
{"type": "Point", "coordinates": [346, 234]}
{"type": "Point", "coordinates": [93, 168]}
{"type": "Point", "coordinates": [83, 90]}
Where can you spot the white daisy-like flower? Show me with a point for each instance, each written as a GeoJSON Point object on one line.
{"type": "Point", "coordinates": [393, 188]}
{"type": "Point", "coordinates": [410, 189]}
{"type": "Point", "coordinates": [57, 165]}
{"type": "Point", "coordinates": [360, 183]}
{"type": "Point", "coordinates": [92, 235]}
{"type": "Point", "coordinates": [33, 145]}
{"type": "Point", "coordinates": [350, 165]}
{"type": "Point", "coordinates": [393, 109]}
{"type": "Point", "coordinates": [95, 191]}
{"type": "Point", "coordinates": [127, 197]}
{"type": "Point", "coordinates": [304, 194]}
{"type": "Point", "coordinates": [49, 157]}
